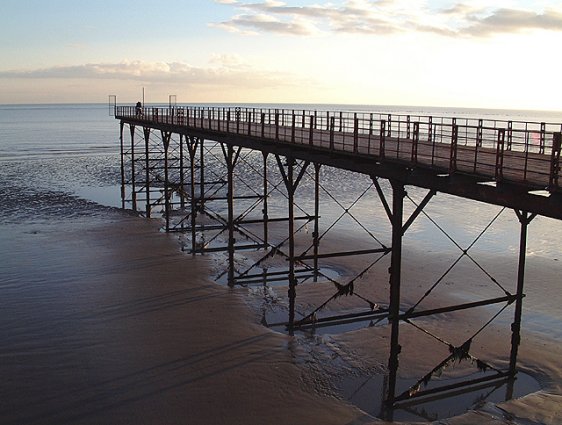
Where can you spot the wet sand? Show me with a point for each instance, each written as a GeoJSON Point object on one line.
{"type": "Point", "coordinates": [108, 322]}
{"type": "Point", "coordinates": [133, 331]}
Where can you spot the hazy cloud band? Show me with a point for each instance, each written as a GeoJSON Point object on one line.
{"type": "Point", "coordinates": [230, 73]}
{"type": "Point", "coordinates": [384, 17]}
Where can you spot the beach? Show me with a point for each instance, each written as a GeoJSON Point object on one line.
{"type": "Point", "coordinates": [120, 326]}
{"type": "Point", "coordinates": [106, 320]}
{"type": "Point", "coordinates": [135, 332]}
{"type": "Point", "coordinates": [123, 327]}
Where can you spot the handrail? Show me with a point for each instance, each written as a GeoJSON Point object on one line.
{"type": "Point", "coordinates": [517, 151]}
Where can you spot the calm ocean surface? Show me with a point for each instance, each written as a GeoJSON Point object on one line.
{"type": "Point", "coordinates": [45, 131]}
{"type": "Point", "coordinates": [80, 133]}
{"type": "Point", "coordinates": [74, 150]}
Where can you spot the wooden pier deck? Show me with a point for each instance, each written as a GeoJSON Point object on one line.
{"type": "Point", "coordinates": [508, 163]}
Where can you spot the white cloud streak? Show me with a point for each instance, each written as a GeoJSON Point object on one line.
{"type": "Point", "coordinates": [512, 21]}
{"type": "Point", "coordinates": [384, 17]}
{"type": "Point", "coordinates": [229, 71]}
{"type": "Point", "coordinates": [227, 78]}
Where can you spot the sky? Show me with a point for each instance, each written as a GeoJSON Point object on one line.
{"type": "Point", "coordinates": [451, 53]}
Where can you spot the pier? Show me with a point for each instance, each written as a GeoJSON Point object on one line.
{"type": "Point", "coordinates": [183, 162]}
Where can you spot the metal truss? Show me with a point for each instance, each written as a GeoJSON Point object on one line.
{"type": "Point", "coordinates": [459, 352]}
{"type": "Point", "coordinates": [221, 196]}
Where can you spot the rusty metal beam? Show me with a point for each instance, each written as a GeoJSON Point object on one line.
{"type": "Point", "coordinates": [345, 253]}
{"type": "Point", "coordinates": [414, 314]}
{"type": "Point", "coordinates": [524, 219]}
{"type": "Point", "coordinates": [133, 173]}
{"type": "Point", "coordinates": [418, 210]}
{"type": "Point", "coordinates": [122, 156]}
{"type": "Point", "coordinates": [146, 132]}
{"type": "Point", "coordinates": [444, 388]}
{"type": "Point", "coordinates": [398, 194]}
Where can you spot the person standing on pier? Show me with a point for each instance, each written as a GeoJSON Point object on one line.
{"type": "Point", "coordinates": [139, 108]}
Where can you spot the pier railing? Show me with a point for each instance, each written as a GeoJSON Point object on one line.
{"type": "Point", "coordinates": [512, 151]}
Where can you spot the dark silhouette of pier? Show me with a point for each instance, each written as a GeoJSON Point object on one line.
{"type": "Point", "coordinates": [497, 162]}
{"type": "Point", "coordinates": [511, 164]}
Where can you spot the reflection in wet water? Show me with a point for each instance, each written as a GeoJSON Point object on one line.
{"type": "Point", "coordinates": [367, 388]}
{"type": "Point", "coordinates": [278, 276]}
{"type": "Point", "coordinates": [362, 391]}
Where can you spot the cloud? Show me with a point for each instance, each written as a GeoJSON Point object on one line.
{"type": "Point", "coordinates": [354, 16]}
{"type": "Point", "coordinates": [230, 71]}
{"type": "Point", "coordinates": [254, 24]}
{"type": "Point", "coordinates": [227, 78]}
{"type": "Point", "coordinates": [512, 20]}
{"type": "Point", "coordinates": [122, 70]}
{"type": "Point", "coordinates": [230, 60]}
{"type": "Point", "coordinates": [384, 17]}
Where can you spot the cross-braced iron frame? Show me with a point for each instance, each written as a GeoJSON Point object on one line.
{"type": "Point", "coordinates": [163, 172]}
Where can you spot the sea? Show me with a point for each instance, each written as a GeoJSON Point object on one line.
{"type": "Point", "coordinates": [64, 152]}
{"type": "Point", "coordinates": [60, 165]}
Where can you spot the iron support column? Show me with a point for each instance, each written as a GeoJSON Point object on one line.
{"type": "Point", "coordinates": [202, 177]}
{"type": "Point", "coordinates": [524, 219]}
{"type": "Point", "coordinates": [133, 180]}
{"type": "Point", "coordinates": [146, 131]}
{"type": "Point", "coordinates": [292, 281]}
{"type": "Point", "coordinates": [230, 195]}
{"type": "Point", "coordinates": [182, 177]}
{"type": "Point", "coordinates": [265, 212]}
{"type": "Point", "coordinates": [398, 194]}
{"type": "Point", "coordinates": [166, 141]}
{"type": "Point", "coordinates": [315, 234]}
{"type": "Point", "coordinates": [192, 149]}
{"type": "Point", "coordinates": [122, 147]}
{"type": "Point", "coordinates": [265, 206]}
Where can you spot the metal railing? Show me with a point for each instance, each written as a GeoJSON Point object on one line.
{"type": "Point", "coordinates": [517, 151]}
